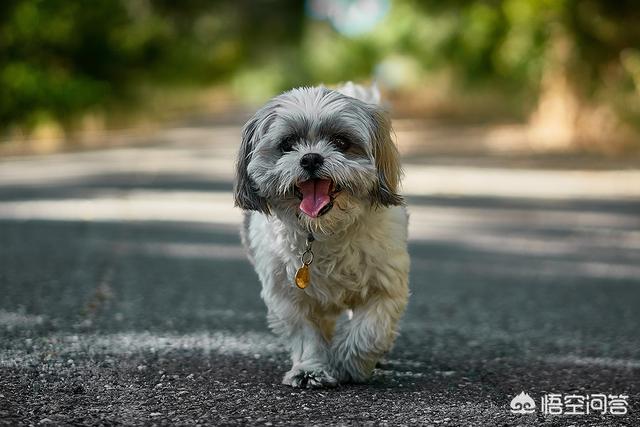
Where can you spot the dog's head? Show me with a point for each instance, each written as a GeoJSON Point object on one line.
{"type": "Point", "coordinates": [317, 158]}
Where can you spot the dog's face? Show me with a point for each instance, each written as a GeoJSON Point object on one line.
{"type": "Point", "coordinates": [317, 158]}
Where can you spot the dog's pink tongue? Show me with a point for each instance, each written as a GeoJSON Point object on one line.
{"type": "Point", "coordinates": [315, 196]}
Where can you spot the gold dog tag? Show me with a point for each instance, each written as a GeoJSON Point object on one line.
{"type": "Point", "coordinates": [302, 276]}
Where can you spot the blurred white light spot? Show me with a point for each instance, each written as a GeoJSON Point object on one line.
{"type": "Point", "coordinates": [349, 17]}
{"type": "Point", "coordinates": [397, 72]}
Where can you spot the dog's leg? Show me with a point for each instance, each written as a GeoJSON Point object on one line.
{"type": "Point", "coordinates": [360, 342]}
{"type": "Point", "coordinates": [308, 346]}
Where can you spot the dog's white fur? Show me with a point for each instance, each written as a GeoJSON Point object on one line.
{"type": "Point", "coordinates": [361, 261]}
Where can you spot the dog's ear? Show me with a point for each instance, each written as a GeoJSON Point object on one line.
{"type": "Point", "coordinates": [245, 194]}
{"type": "Point", "coordinates": [387, 160]}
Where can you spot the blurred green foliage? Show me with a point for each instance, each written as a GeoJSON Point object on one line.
{"type": "Point", "coordinates": [61, 58]}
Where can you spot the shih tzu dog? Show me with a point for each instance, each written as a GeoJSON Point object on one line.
{"type": "Point", "coordinates": [326, 229]}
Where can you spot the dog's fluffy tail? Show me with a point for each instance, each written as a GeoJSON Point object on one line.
{"type": "Point", "coordinates": [368, 94]}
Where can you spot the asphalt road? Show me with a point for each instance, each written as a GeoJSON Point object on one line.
{"type": "Point", "coordinates": [126, 298]}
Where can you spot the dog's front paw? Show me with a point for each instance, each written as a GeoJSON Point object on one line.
{"type": "Point", "coordinates": [305, 377]}
{"type": "Point", "coordinates": [345, 376]}
{"type": "Point", "coordinates": [352, 370]}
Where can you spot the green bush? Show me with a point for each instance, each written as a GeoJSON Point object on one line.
{"type": "Point", "coordinates": [60, 58]}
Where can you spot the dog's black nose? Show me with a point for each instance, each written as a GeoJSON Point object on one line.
{"type": "Point", "coordinates": [311, 161]}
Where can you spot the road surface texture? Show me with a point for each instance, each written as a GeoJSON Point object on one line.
{"type": "Point", "coordinates": [126, 298]}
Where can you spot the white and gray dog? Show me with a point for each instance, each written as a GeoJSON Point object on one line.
{"type": "Point", "coordinates": [318, 177]}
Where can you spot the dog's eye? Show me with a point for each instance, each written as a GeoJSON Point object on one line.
{"type": "Point", "coordinates": [286, 144]}
{"type": "Point", "coordinates": [341, 143]}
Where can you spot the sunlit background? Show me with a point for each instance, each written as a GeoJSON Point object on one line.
{"type": "Point", "coordinates": [568, 71]}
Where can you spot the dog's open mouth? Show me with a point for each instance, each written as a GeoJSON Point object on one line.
{"type": "Point", "coordinates": [316, 196]}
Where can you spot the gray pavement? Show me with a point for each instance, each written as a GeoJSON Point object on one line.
{"type": "Point", "coordinates": [125, 296]}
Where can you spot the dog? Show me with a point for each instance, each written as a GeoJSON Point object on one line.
{"type": "Point", "coordinates": [318, 176]}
